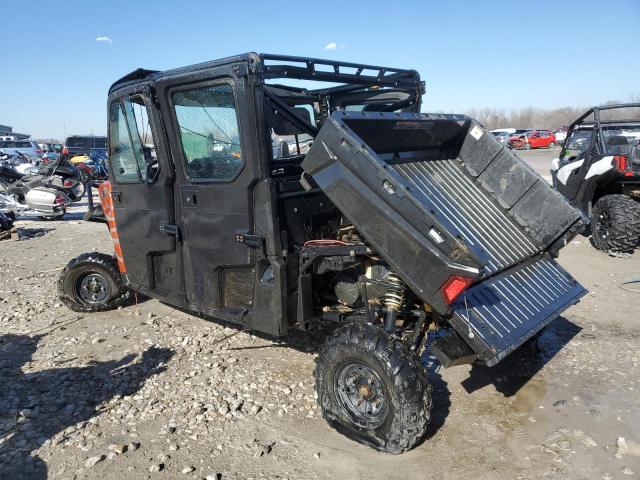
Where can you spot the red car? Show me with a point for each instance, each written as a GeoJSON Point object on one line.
{"type": "Point", "coordinates": [533, 139]}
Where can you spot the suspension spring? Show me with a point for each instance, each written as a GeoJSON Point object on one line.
{"type": "Point", "coordinates": [393, 299]}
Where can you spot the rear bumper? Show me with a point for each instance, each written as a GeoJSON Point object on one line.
{"type": "Point", "coordinates": [499, 314]}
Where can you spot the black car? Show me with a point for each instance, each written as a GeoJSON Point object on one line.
{"type": "Point", "coordinates": [79, 144]}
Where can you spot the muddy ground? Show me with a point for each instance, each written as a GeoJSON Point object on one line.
{"type": "Point", "coordinates": [151, 392]}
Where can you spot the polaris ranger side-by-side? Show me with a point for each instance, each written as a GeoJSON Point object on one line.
{"type": "Point", "coordinates": [274, 192]}
{"type": "Point", "coordinates": [599, 172]}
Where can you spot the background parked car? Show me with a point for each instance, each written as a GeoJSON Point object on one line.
{"type": "Point", "coordinates": [502, 137]}
{"type": "Point", "coordinates": [27, 147]}
{"type": "Point", "coordinates": [533, 139]}
{"type": "Point", "coordinates": [561, 134]}
{"type": "Point", "coordinates": [84, 144]}
{"type": "Point", "coordinates": [503, 130]}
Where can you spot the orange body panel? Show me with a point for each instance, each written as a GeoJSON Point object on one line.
{"type": "Point", "coordinates": [104, 191]}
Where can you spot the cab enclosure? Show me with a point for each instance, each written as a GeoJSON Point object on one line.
{"type": "Point", "coordinates": [273, 191]}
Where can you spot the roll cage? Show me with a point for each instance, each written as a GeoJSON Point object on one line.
{"type": "Point", "coordinates": [391, 89]}
{"type": "Point", "coordinates": [596, 125]}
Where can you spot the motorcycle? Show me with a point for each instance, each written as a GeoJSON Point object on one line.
{"type": "Point", "coordinates": [93, 169]}
{"type": "Point", "coordinates": [20, 161]}
{"type": "Point", "coordinates": [49, 195]}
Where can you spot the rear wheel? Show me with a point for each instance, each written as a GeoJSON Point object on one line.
{"type": "Point", "coordinates": [92, 283]}
{"type": "Point", "coordinates": [373, 389]}
{"type": "Point", "coordinates": [527, 146]}
{"type": "Point", "coordinates": [79, 190]}
{"type": "Point", "coordinates": [615, 223]}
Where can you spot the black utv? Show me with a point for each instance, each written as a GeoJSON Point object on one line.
{"type": "Point", "coordinates": [599, 172]}
{"type": "Point", "coordinates": [279, 192]}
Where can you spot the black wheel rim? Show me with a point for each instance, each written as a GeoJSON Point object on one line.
{"type": "Point", "coordinates": [361, 394]}
{"type": "Point", "coordinates": [92, 288]}
{"type": "Point", "coordinates": [603, 226]}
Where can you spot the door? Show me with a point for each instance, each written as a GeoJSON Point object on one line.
{"type": "Point", "coordinates": [534, 139]}
{"type": "Point", "coordinates": [545, 139]}
{"type": "Point", "coordinates": [141, 177]}
{"type": "Point", "coordinates": [575, 159]}
{"type": "Point", "coordinates": [216, 168]}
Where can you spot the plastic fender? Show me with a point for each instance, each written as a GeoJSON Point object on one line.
{"type": "Point", "coordinates": [104, 192]}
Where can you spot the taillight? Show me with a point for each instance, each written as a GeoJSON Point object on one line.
{"type": "Point", "coordinates": [453, 287]}
{"type": "Point", "coordinates": [621, 163]}
{"type": "Point", "coordinates": [68, 183]}
{"type": "Point", "coordinates": [59, 200]}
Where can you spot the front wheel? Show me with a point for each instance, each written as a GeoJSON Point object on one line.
{"type": "Point", "coordinates": [372, 389]}
{"type": "Point", "coordinates": [552, 145]}
{"type": "Point", "coordinates": [92, 283]}
{"type": "Point", "coordinates": [615, 223]}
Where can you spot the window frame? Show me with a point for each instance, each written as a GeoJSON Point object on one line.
{"type": "Point", "coordinates": [176, 127]}
{"type": "Point", "coordinates": [140, 179]}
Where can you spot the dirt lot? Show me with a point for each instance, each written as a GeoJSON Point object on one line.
{"type": "Point", "coordinates": [151, 392]}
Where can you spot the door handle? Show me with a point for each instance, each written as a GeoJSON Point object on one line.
{"type": "Point", "coordinates": [169, 229]}
{"type": "Point", "coordinates": [189, 199]}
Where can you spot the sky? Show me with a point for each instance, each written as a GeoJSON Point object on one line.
{"type": "Point", "coordinates": [60, 57]}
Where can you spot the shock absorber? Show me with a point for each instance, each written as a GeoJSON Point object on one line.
{"type": "Point", "coordinates": [393, 300]}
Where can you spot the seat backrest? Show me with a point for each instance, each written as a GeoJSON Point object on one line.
{"type": "Point", "coordinates": [617, 144]}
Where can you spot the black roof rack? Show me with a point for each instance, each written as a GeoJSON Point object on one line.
{"type": "Point", "coordinates": [307, 68]}
{"type": "Point", "coordinates": [271, 66]}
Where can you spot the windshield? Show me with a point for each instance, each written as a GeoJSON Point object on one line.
{"type": "Point", "coordinates": [577, 143]}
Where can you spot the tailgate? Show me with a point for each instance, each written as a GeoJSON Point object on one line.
{"type": "Point", "coordinates": [497, 315]}
{"type": "Point", "coordinates": [437, 196]}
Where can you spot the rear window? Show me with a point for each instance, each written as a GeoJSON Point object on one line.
{"type": "Point", "coordinates": [13, 144]}
{"type": "Point", "coordinates": [76, 142]}
{"type": "Point", "coordinates": [87, 142]}
{"type": "Point", "coordinates": [99, 143]}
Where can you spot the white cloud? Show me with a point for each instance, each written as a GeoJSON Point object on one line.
{"type": "Point", "coordinates": [331, 46]}
{"type": "Point", "coordinates": [104, 40]}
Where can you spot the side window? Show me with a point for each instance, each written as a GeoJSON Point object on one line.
{"type": "Point", "coordinates": [131, 148]}
{"type": "Point", "coordinates": [121, 151]}
{"type": "Point", "coordinates": [209, 132]}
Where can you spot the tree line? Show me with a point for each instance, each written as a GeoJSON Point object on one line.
{"type": "Point", "coordinates": [550, 119]}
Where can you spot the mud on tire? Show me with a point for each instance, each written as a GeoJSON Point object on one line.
{"type": "Point", "coordinates": [398, 382]}
{"type": "Point", "coordinates": [92, 283]}
{"type": "Point", "coordinates": [615, 223]}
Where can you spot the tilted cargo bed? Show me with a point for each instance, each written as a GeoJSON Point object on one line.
{"type": "Point", "coordinates": [438, 196]}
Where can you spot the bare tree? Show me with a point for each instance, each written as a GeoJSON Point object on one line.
{"type": "Point", "coordinates": [530, 117]}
